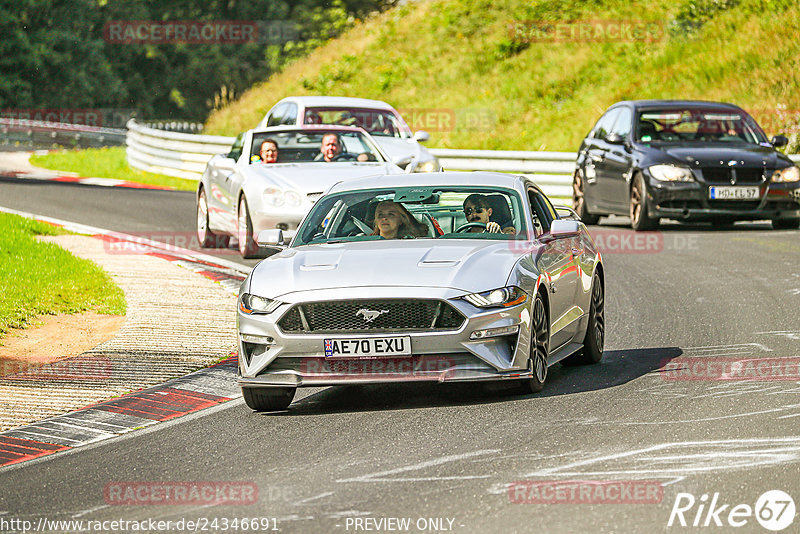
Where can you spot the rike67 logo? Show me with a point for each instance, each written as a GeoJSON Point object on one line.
{"type": "Point", "coordinates": [774, 510]}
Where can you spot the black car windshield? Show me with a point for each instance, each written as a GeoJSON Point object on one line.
{"type": "Point", "coordinates": [427, 212]}
{"type": "Point", "coordinates": [697, 126]}
{"type": "Point", "coordinates": [304, 146]}
{"type": "Point", "coordinates": [377, 122]}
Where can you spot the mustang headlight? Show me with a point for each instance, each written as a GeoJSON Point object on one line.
{"type": "Point", "coordinates": [253, 304]}
{"type": "Point", "coordinates": [497, 298]}
{"type": "Point", "coordinates": [789, 174]}
{"type": "Point", "coordinates": [277, 197]}
{"type": "Point", "coordinates": [671, 173]}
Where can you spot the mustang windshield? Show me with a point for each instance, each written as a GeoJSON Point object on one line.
{"type": "Point", "coordinates": [698, 126]}
{"type": "Point", "coordinates": [415, 213]}
{"type": "Point", "coordinates": [304, 146]}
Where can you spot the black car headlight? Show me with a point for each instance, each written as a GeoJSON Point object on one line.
{"type": "Point", "coordinates": [253, 304]}
{"type": "Point", "coordinates": [497, 298]}
{"type": "Point", "coordinates": [671, 173]}
{"type": "Point", "coordinates": [789, 174]}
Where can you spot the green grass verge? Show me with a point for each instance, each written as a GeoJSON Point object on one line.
{"type": "Point", "coordinates": [44, 279]}
{"type": "Point", "coordinates": [107, 163]}
{"type": "Point", "coordinates": [457, 64]}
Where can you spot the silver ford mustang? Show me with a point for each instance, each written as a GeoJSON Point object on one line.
{"type": "Point", "coordinates": [240, 194]}
{"type": "Point", "coordinates": [438, 277]}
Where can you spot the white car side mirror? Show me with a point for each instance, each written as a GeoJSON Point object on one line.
{"type": "Point", "coordinates": [226, 164]}
{"type": "Point", "coordinates": [421, 136]}
{"type": "Point", "coordinates": [272, 237]}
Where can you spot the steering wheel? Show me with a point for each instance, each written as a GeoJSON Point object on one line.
{"type": "Point", "coordinates": [361, 225]}
{"type": "Point", "coordinates": [344, 156]}
{"type": "Point", "coordinates": [469, 226]}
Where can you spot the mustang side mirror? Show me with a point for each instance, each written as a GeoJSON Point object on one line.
{"type": "Point", "coordinates": [615, 139]}
{"type": "Point", "coordinates": [271, 238]}
{"type": "Point", "coordinates": [564, 227]}
{"type": "Point", "coordinates": [779, 140]}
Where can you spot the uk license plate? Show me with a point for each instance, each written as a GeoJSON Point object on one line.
{"type": "Point", "coordinates": [367, 347]}
{"type": "Point", "coordinates": [733, 193]}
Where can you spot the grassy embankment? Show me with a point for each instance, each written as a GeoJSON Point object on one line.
{"type": "Point", "coordinates": [44, 279]}
{"type": "Point", "coordinates": [106, 163]}
{"type": "Point", "coordinates": [458, 58]}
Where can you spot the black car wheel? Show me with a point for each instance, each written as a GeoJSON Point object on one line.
{"type": "Point", "coordinates": [268, 399]}
{"type": "Point", "coordinates": [640, 219]}
{"type": "Point", "coordinates": [579, 200]}
{"type": "Point", "coordinates": [594, 340]}
{"type": "Point", "coordinates": [205, 236]}
{"type": "Point", "coordinates": [247, 245]}
{"type": "Point", "coordinates": [539, 350]}
{"type": "Point", "coordinates": [786, 224]}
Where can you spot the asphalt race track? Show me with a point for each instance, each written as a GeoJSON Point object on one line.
{"type": "Point", "coordinates": [656, 414]}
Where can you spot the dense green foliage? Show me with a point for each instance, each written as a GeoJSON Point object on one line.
{"type": "Point", "coordinates": [462, 60]}
{"type": "Point", "coordinates": [54, 54]}
{"type": "Point", "coordinates": [43, 279]}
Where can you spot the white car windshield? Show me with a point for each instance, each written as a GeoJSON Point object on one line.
{"type": "Point", "coordinates": [305, 146]}
{"type": "Point", "coordinates": [415, 213]}
{"type": "Point", "coordinates": [377, 122]}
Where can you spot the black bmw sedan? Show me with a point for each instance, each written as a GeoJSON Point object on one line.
{"type": "Point", "coordinates": [684, 160]}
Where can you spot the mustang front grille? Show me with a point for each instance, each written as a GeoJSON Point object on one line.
{"type": "Point", "coordinates": [365, 316]}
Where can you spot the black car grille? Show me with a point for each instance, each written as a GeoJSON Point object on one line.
{"type": "Point", "coordinates": [723, 175]}
{"type": "Point", "coordinates": [352, 316]}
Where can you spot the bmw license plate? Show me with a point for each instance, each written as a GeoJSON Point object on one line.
{"type": "Point", "coordinates": [367, 347]}
{"type": "Point", "coordinates": [733, 193]}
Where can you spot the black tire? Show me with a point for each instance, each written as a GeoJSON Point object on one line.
{"type": "Point", "coordinates": [205, 236]}
{"type": "Point", "coordinates": [579, 200]}
{"type": "Point", "coordinates": [785, 224]}
{"type": "Point", "coordinates": [640, 218]}
{"type": "Point", "coordinates": [268, 399]}
{"type": "Point", "coordinates": [594, 340]}
{"type": "Point", "coordinates": [539, 349]}
{"type": "Point", "coordinates": [247, 244]}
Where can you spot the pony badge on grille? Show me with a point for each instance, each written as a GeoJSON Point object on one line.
{"type": "Point", "coordinates": [370, 315]}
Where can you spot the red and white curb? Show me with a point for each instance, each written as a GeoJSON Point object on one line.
{"type": "Point", "coordinates": [181, 396]}
{"type": "Point", "coordinates": [195, 391]}
{"type": "Point", "coordinates": [103, 182]}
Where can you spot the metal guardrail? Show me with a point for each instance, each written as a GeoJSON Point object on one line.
{"type": "Point", "coordinates": [22, 133]}
{"type": "Point", "coordinates": [185, 156]}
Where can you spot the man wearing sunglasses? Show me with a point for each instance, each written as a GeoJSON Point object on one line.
{"type": "Point", "coordinates": [478, 210]}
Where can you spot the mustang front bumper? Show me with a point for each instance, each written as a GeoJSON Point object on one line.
{"type": "Point", "coordinates": [269, 357]}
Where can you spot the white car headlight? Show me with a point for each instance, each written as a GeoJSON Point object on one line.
{"type": "Point", "coordinates": [253, 304]}
{"type": "Point", "coordinates": [431, 165]}
{"type": "Point", "coordinates": [671, 173]}
{"type": "Point", "coordinates": [497, 298]}
{"type": "Point", "coordinates": [277, 197]}
{"type": "Point", "coordinates": [789, 174]}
